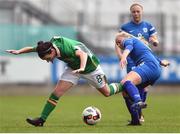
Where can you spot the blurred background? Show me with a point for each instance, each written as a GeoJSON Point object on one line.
{"type": "Point", "coordinates": [94, 22]}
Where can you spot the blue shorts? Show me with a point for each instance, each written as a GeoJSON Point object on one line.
{"type": "Point", "coordinates": [130, 64]}
{"type": "Point", "coordinates": [149, 72]}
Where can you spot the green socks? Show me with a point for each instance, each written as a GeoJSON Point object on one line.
{"type": "Point", "coordinates": [52, 101]}
{"type": "Point", "coordinates": [49, 107]}
{"type": "Point", "coordinates": [115, 88]}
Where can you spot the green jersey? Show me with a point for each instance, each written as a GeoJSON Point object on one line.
{"type": "Point", "coordinates": [67, 48]}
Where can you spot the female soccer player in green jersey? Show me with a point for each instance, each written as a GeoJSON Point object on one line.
{"type": "Point", "coordinates": [81, 63]}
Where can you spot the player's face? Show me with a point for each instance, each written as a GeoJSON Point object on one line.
{"type": "Point", "coordinates": [136, 12]}
{"type": "Point", "coordinates": [49, 57]}
{"type": "Point", "coordinates": [119, 41]}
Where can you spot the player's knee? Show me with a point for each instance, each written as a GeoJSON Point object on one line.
{"type": "Point", "coordinates": [58, 93]}
{"type": "Point", "coordinates": [106, 94]}
{"type": "Point", "coordinates": [124, 94]}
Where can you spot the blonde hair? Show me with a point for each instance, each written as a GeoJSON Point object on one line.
{"type": "Point", "coordinates": [127, 35]}
{"type": "Point", "coordinates": [136, 4]}
{"type": "Point", "coordinates": [124, 34]}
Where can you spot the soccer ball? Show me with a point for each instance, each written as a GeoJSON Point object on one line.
{"type": "Point", "coordinates": [91, 115]}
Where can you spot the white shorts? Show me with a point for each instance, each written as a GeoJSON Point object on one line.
{"type": "Point", "coordinates": [95, 78]}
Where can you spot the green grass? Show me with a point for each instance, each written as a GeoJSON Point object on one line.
{"type": "Point", "coordinates": [162, 114]}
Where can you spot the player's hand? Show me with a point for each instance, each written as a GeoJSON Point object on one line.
{"type": "Point", "coordinates": [13, 51]}
{"type": "Point", "coordinates": [123, 62]}
{"type": "Point", "coordinates": [155, 44]}
{"type": "Point", "coordinates": [165, 63]}
{"type": "Point", "coordinates": [78, 70]}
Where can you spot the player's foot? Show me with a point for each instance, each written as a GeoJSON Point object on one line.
{"type": "Point", "coordinates": [38, 122]}
{"type": "Point", "coordinates": [132, 123]}
{"type": "Point", "coordinates": [138, 105]}
{"type": "Point", "coordinates": [141, 119]}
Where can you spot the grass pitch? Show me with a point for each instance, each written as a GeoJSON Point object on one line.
{"type": "Point", "coordinates": [162, 114]}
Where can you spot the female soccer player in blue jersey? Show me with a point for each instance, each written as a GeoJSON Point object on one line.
{"type": "Point", "coordinates": [146, 71]}
{"type": "Point", "coordinates": [143, 30]}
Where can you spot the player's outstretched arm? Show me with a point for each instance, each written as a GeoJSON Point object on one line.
{"type": "Point", "coordinates": [22, 50]}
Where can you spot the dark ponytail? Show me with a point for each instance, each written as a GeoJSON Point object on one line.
{"type": "Point", "coordinates": [40, 42]}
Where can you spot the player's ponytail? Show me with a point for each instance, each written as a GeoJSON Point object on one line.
{"type": "Point", "coordinates": [40, 42]}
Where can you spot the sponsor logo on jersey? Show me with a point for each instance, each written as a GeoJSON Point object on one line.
{"type": "Point", "coordinates": [131, 31]}
{"type": "Point", "coordinates": [139, 35]}
{"type": "Point", "coordinates": [145, 30]}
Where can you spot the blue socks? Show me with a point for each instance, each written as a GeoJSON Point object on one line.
{"type": "Point", "coordinates": [128, 103]}
{"type": "Point", "coordinates": [144, 96]}
{"type": "Point", "coordinates": [133, 97]}
{"type": "Point", "coordinates": [132, 91]}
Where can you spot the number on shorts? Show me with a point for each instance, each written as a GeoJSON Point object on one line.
{"type": "Point", "coordinates": [99, 78]}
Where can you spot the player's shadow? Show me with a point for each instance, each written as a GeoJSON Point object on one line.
{"type": "Point", "coordinates": [84, 125]}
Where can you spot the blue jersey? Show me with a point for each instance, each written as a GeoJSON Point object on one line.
{"type": "Point", "coordinates": [147, 66]}
{"type": "Point", "coordinates": [144, 29]}
{"type": "Point", "coordinates": [141, 30]}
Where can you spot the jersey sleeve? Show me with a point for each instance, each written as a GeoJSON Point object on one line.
{"type": "Point", "coordinates": [34, 48]}
{"type": "Point", "coordinates": [121, 28]}
{"type": "Point", "coordinates": [128, 44]}
{"type": "Point", "coordinates": [152, 29]}
{"type": "Point", "coordinates": [54, 38]}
